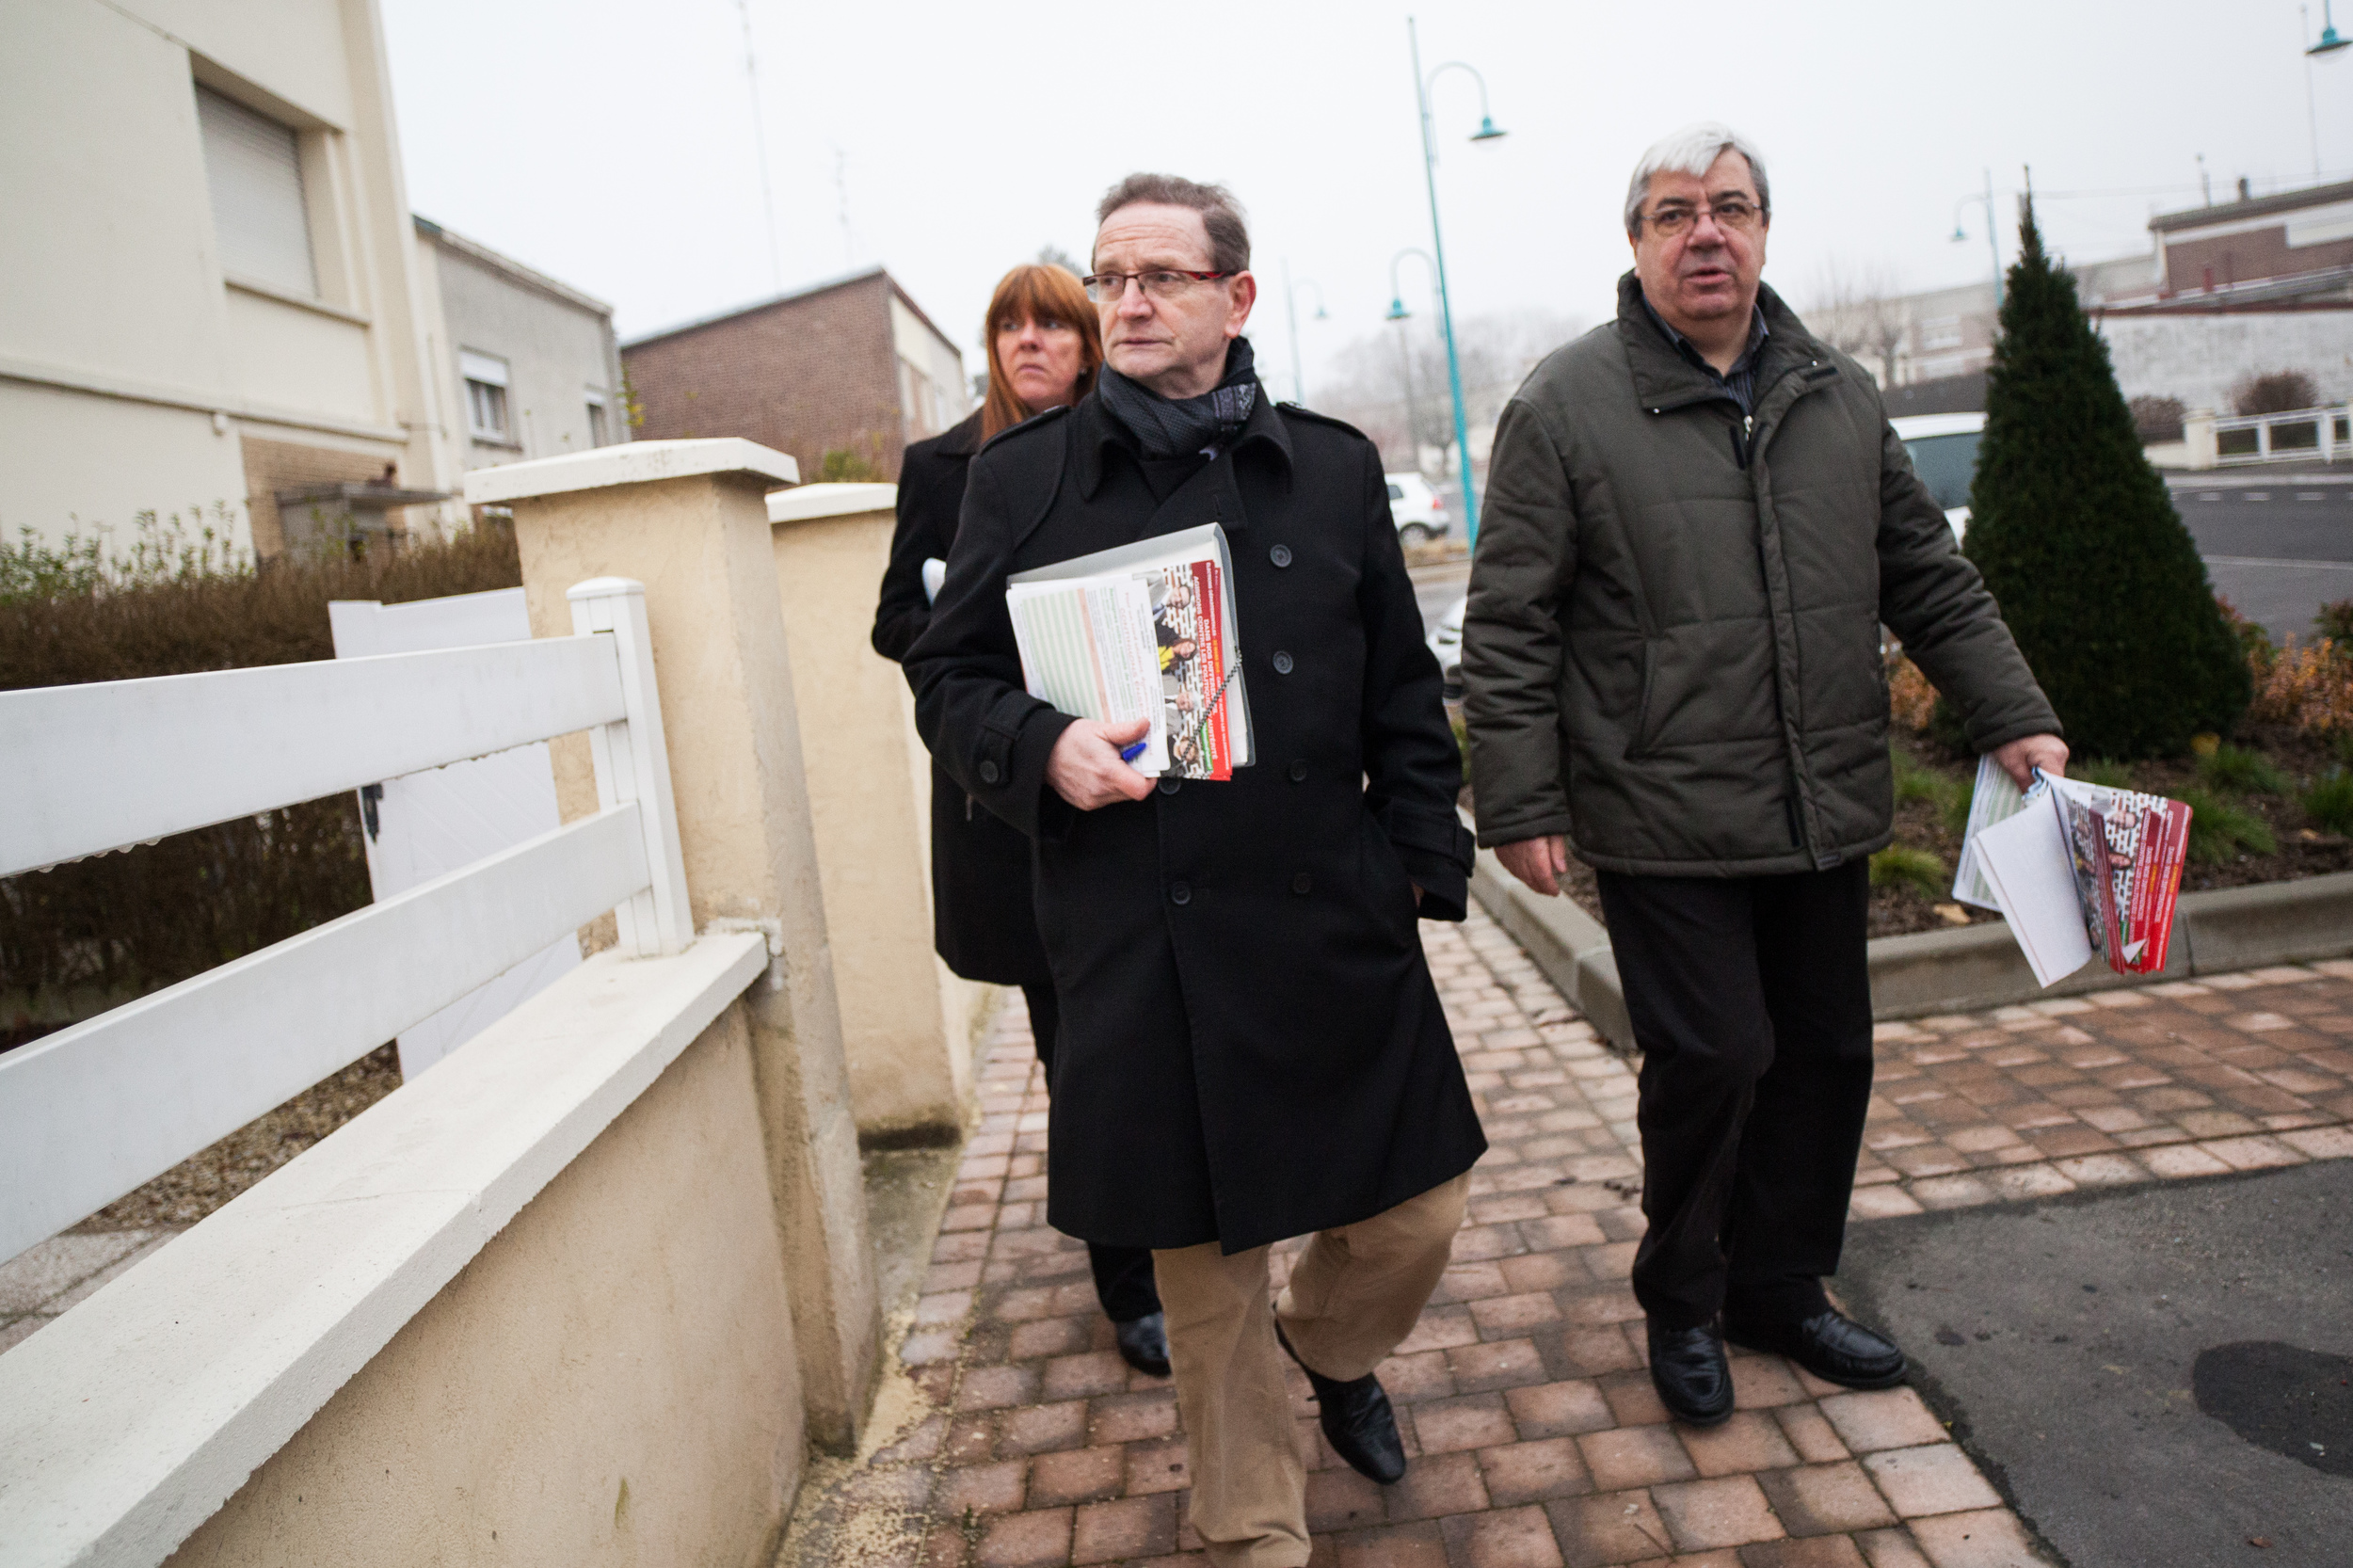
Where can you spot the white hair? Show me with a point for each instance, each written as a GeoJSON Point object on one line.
{"type": "Point", "coordinates": [1693, 151]}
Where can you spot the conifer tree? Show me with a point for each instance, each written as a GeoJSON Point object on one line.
{"type": "Point", "coordinates": [2079, 542]}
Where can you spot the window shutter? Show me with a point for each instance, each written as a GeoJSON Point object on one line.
{"type": "Point", "coordinates": [255, 173]}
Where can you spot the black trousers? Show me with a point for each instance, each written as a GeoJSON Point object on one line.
{"type": "Point", "coordinates": [1751, 999]}
{"type": "Point", "coordinates": [1123, 1275]}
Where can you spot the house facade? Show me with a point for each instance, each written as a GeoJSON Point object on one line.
{"type": "Point", "coordinates": [849, 368]}
{"type": "Point", "coordinates": [213, 287]}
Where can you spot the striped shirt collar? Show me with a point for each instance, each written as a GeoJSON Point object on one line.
{"type": "Point", "coordinates": [1741, 381]}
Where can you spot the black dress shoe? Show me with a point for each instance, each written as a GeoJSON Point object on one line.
{"type": "Point", "coordinates": [1357, 1422]}
{"type": "Point", "coordinates": [1144, 1343]}
{"type": "Point", "coordinates": [1833, 1348]}
{"type": "Point", "coordinates": [1693, 1375]}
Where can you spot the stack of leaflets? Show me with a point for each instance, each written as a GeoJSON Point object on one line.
{"type": "Point", "coordinates": [2079, 871]}
{"type": "Point", "coordinates": [1143, 632]}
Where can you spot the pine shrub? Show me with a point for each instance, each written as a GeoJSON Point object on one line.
{"type": "Point", "coordinates": [2079, 542]}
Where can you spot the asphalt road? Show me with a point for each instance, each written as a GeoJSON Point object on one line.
{"type": "Point", "coordinates": [2278, 546]}
{"type": "Point", "coordinates": [2160, 1374]}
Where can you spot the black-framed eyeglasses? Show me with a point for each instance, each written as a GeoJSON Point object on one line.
{"type": "Point", "coordinates": [1160, 283]}
{"type": "Point", "coordinates": [1736, 213]}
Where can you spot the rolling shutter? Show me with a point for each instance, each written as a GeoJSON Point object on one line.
{"type": "Point", "coordinates": [255, 173]}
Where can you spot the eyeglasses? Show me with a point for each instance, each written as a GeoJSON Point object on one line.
{"type": "Point", "coordinates": [1736, 213]}
{"type": "Point", "coordinates": [1105, 287]}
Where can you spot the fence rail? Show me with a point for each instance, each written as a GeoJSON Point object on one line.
{"type": "Point", "coordinates": [92, 1112]}
{"type": "Point", "coordinates": [2321, 433]}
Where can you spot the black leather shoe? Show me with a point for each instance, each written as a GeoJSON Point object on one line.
{"type": "Point", "coordinates": [1833, 1347]}
{"type": "Point", "coordinates": [1357, 1422]}
{"type": "Point", "coordinates": [1693, 1375]}
{"type": "Point", "coordinates": [1144, 1343]}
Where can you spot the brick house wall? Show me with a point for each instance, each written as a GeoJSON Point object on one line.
{"type": "Point", "coordinates": [274, 466]}
{"type": "Point", "coordinates": [808, 374]}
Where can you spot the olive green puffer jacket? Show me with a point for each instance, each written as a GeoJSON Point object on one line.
{"type": "Point", "coordinates": [1671, 650]}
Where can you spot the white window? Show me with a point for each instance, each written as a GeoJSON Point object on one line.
{"type": "Point", "coordinates": [597, 436]}
{"type": "Point", "coordinates": [1940, 332]}
{"type": "Point", "coordinates": [486, 394]}
{"type": "Point", "coordinates": [255, 171]}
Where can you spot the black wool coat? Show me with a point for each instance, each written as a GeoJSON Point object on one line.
{"type": "Point", "coordinates": [983, 922]}
{"type": "Point", "coordinates": [1252, 1047]}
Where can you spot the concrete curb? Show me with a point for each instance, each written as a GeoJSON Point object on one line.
{"type": "Point", "coordinates": [1967, 969]}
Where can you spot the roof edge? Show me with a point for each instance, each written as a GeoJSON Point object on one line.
{"type": "Point", "coordinates": [516, 271]}
{"type": "Point", "coordinates": [789, 297]}
{"type": "Point", "coordinates": [2260, 206]}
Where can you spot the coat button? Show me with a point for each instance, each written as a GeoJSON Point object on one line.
{"type": "Point", "coordinates": [1280, 555]}
{"type": "Point", "coordinates": [990, 772]}
{"type": "Point", "coordinates": [1303, 883]}
{"type": "Point", "coordinates": [1282, 664]}
{"type": "Point", "coordinates": [1170, 785]}
{"type": "Point", "coordinates": [1180, 893]}
{"type": "Point", "coordinates": [1298, 772]}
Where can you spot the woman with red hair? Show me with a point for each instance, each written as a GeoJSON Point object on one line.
{"type": "Point", "coordinates": [1043, 350]}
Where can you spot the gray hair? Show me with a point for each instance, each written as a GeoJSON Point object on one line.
{"type": "Point", "coordinates": [1221, 214]}
{"type": "Point", "coordinates": [1693, 151]}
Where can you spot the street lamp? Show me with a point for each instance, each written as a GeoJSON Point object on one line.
{"type": "Point", "coordinates": [1290, 309]}
{"type": "Point", "coordinates": [1992, 233]}
{"type": "Point", "coordinates": [2329, 42]}
{"type": "Point", "coordinates": [1486, 131]}
{"type": "Point", "coordinates": [1399, 314]}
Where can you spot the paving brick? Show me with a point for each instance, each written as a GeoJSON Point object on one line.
{"type": "Point", "coordinates": [1505, 1364]}
{"type": "Point", "coordinates": [1530, 1472]}
{"type": "Point", "coordinates": [1048, 1336]}
{"type": "Point", "coordinates": [1729, 1511]}
{"type": "Point", "coordinates": [2183, 1160]}
{"type": "Point", "coordinates": [1124, 1530]}
{"type": "Point", "coordinates": [1341, 1499]}
{"type": "Point", "coordinates": [1891, 1548]}
{"type": "Point", "coordinates": [1809, 1433]}
{"type": "Point", "coordinates": [1882, 1419]}
{"type": "Point", "coordinates": [982, 1489]}
{"type": "Point", "coordinates": [1156, 1466]}
{"type": "Point", "coordinates": [1613, 1527]}
{"type": "Point", "coordinates": [1632, 1400]}
{"type": "Point", "coordinates": [996, 1387]}
{"type": "Point", "coordinates": [1040, 1539]}
{"type": "Point", "coordinates": [1042, 1428]}
{"type": "Point", "coordinates": [1507, 1538]}
{"type": "Point", "coordinates": [1762, 1382]}
{"type": "Point", "coordinates": [1453, 1425]}
{"type": "Point", "coordinates": [1438, 1484]}
{"type": "Point", "coordinates": [1131, 1417]}
{"type": "Point", "coordinates": [1823, 1499]}
{"type": "Point", "coordinates": [1935, 1479]}
{"type": "Point", "coordinates": [1559, 1409]}
{"type": "Point", "coordinates": [1419, 1545]}
{"type": "Point", "coordinates": [1992, 1538]}
{"type": "Point", "coordinates": [1073, 1377]}
{"type": "Point", "coordinates": [1635, 1456]}
{"type": "Point", "coordinates": [1749, 1442]}
{"type": "Point", "coordinates": [1822, 1551]}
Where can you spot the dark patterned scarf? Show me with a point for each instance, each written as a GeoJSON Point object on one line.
{"type": "Point", "coordinates": [1180, 426]}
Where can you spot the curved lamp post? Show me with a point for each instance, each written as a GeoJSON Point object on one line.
{"type": "Point", "coordinates": [2330, 41]}
{"type": "Point", "coordinates": [1290, 309]}
{"type": "Point", "coordinates": [1486, 131]}
{"type": "Point", "coordinates": [1399, 314]}
{"type": "Point", "coordinates": [1992, 234]}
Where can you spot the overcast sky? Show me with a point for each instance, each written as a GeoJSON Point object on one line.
{"type": "Point", "coordinates": [611, 143]}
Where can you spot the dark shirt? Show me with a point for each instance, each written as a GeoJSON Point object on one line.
{"type": "Point", "coordinates": [1741, 382]}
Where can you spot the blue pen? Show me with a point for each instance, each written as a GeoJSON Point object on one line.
{"type": "Point", "coordinates": [1129, 753]}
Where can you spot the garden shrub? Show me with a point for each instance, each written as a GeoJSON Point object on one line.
{"type": "Point", "coordinates": [1899, 864]}
{"type": "Point", "coordinates": [2157, 419]}
{"type": "Point", "coordinates": [2242, 770]}
{"type": "Point", "coordinates": [2220, 829]}
{"type": "Point", "coordinates": [126, 924]}
{"type": "Point", "coordinates": [2335, 622]}
{"type": "Point", "coordinates": [2079, 541]}
{"type": "Point", "coordinates": [2274, 392]}
{"type": "Point", "coordinates": [2308, 689]}
{"type": "Point", "coordinates": [2329, 802]}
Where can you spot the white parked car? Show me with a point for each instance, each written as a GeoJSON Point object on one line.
{"type": "Point", "coordinates": [1446, 642]}
{"type": "Point", "coordinates": [1943, 449]}
{"type": "Point", "coordinates": [1418, 511]}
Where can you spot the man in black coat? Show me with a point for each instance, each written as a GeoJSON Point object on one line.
{"type": "Point", "coordinates": [1252, 1045]}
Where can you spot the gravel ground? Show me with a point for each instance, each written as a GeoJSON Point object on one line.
{"type": "Point", "coordinates": [197, 1186]}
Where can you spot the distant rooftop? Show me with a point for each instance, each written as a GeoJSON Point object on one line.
{"type": "Point", "coordinates": [2260, 206]}
{"type": "Point", "coordinates": [805, 291]}
{"type": "Point", "coordinates": [529, 277]}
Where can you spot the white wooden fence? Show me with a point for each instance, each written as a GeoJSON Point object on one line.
{"type": "Point", "coordinates": [90, 1113]}
{"type": "Point", "coordinates": [2320, 433]}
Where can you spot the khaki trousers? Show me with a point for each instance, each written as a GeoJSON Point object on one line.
{"type": "Point", "coordinates": [1354, 1296]}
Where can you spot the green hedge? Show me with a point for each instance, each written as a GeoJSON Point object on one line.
{"type": "Point", "coordinates": [119, 925]}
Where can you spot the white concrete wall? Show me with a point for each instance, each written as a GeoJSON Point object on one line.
{"type": "Point", "coordinates": [939, 363]}
{"type": "Point", "coordinates": [122, 344]}
{"type": "Point", "coordinates": [2199, 359]}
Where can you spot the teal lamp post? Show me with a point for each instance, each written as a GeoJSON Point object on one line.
{"type": "Point", "coordinates": [1486, 131]}
{"type": "Point", "coordinates": [2330, 41]}
{"type": "Point", "coordinates": [1290, 309]}
{"type": "Point", "coordinates": [1992, 233]}
{"type": "Point", "coordinates": [1399, 314]}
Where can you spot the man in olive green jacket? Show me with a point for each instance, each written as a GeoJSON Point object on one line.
{"type": "Point", "coordinates": [1697, 520]}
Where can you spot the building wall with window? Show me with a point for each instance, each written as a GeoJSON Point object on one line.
{"type": "Point", "coordinates": [529, 365]}
{"type": "Point", "coordinates": [850, 366]}
{"type": "Point", "coordinates": [212, 286]}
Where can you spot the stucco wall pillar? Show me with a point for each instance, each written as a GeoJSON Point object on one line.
{"type": "Point", "coordinates": [905, 1020]}
{"type": "Point", "coordinates": [688, 518]}
{"type": "Point", "coordinates": [2198, 434]}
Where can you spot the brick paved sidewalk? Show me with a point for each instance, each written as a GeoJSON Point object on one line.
{"type": "Point", "coordinates": [1023, 1441]}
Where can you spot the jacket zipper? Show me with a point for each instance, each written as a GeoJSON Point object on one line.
{"type": "Point", "coordinates": [1740, 448]}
